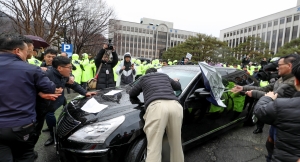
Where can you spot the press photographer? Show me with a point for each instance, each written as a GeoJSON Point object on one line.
{"type": "Point", "coordinates": [105, 75]}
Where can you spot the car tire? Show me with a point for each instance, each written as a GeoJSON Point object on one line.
{"type": "Point", "coordinates": [138, 151]}
{"type": "Point", "coordinates": [251, 118]}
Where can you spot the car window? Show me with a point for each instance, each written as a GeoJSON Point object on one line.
{"type": "Point", "coordinates": [185, 77]}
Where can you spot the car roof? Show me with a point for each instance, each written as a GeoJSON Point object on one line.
{"type": "Point", "coordinates": [196, 68]}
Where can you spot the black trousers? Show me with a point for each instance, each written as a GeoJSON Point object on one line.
{"type": "Point", "coordinates": [17, 144]}
{"type": "Point", "coordinates": [260, 124]}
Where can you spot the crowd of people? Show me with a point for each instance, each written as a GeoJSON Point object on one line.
{"type": "Point", "coordinates": [32, 90]}
{"type": "Point", "coordinates": [279, 113]}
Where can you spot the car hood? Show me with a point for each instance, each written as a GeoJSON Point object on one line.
{"type": "Point", "coordinates": [117, 104]}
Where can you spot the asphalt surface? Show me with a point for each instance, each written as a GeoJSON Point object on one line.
{"type": "Point", "coordinates": [237, 145]}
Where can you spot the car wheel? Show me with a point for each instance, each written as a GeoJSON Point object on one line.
{"type": "Point", "coordinates": [138, 151]}
{"type": "Point", "coordinates": [251, 118]}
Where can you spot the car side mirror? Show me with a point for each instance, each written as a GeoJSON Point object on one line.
{"type": "Point", "coordinates": [202, 92]}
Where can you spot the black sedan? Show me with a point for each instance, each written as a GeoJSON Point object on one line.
{"type": "Point", "coordinates": [109, 126]}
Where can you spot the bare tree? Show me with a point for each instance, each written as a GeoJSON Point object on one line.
{"type": "Point", "coordinates": [38, 17]}
{"type": "Point", "coordinates": [6, 25]}
{"type": "Point", "coordinates": [88, 24]}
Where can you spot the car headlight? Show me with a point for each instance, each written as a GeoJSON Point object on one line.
{"type": "Point", "coordinates": [97, 132]}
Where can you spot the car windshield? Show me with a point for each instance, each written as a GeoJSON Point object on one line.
{"type": "Point", "coordinates": [184, 76]}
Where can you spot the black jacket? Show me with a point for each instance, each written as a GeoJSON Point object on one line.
{"type": "Point", "coordinates": [284, 114]}
{"type": "Point", "coordinates": [155, 86]}
{"type": "Point", "coordinates": [44, 106]}
{"type": "Point", "coordinates": [106, 74]}
{"type": "Point", "coordinates": [20, 83]}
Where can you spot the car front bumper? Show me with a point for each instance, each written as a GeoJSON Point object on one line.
{"type": "Point", "coordinates": [73, 155]}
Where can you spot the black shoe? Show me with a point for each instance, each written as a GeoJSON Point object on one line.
{"type": "Point", "coordinates": [49, 142]}
{"type": "Point", "coordinates": [258, 130]}
{"type": "Point", "coordinates": [46, 130]}
{"type": "Point", "coordinates": [35, 155]}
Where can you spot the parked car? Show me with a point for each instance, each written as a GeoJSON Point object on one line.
{"type": "Point", "coordinates": [116, 132]}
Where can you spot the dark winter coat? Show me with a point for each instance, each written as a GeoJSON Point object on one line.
{"type": "Point", "coordinates": [155, 86]}
{"type": "Point", "coordinates": [284, 86]}
{"type": "Point", "coordinates": [106, 75]}
{"type": "Point", "coordinates": [20, 84]}
{"type": "Point", "coordinates": [59, 81]}
{"type": "Point", "coordinates": [284, 114]}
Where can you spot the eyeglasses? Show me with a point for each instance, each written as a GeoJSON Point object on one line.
{"type": "Point", "coordinates": [70, 67]}
{"type": "Point", "coordinates": [281, 64]}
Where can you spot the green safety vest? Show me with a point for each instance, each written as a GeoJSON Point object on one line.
{"type": "Point", "coordinates": [34, 61]}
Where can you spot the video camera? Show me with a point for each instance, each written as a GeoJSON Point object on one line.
{"type": "Point", "coordinates": [269, 71]}
{"type": "Point", "coordinates": [110, 46]}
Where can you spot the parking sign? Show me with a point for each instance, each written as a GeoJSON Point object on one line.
{"type": "Point", "coordinates": [68, 48]}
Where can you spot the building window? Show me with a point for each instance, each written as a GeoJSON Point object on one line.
{"type": "Point", "coordinates": [233, 43]}
{"type": "Point", "coordinates": [241, 40]}
{"type": "Point", "coordinates": [242, 31]}
{"type": "Point", "coordinates": [294, 32]}
{"type": "Point", "coordinates": [288, 19]}
{"type": "Point", "coordinates": [124, 28]}
{"type": "Point", "coordinates": [273, 40]}
{"type": "Point", "coordinates": [136, 29]}
{"type": "Point", "coordinates": [128, 28]}
{"type": "Point", "coordinates": [249, 29]}
{"type": "Point", "coordinates": [233, 33]}
{"type": "Point", "coordinates": [275, 22]}
{"type": "Point", "coordinates": [296, 17]}
{"type": "Point", "coordinates": [140, 30]}
{"type": "Point", "coordinates": [254, 28]}
{"type": "Point", "coordinates": [282, 20]}
{"type": "Point", "coordinates": [237, 32]}
{"type": "Point", "coordinates": [245, 30]}
{"type": "Point", "coordinates": [287, 34]}
{"type": "Point", "coordinates": [269, 24]}
{"type": "Point", "coordinates": [264, 25]}
{"type": "Point", "coordinates": [224, 35]}
{"type": "Point", "coordinates": [279, 41]}
{"type": "Point", "coordinates": [227, 34]}
{"type": "Point", "coordinates": [230, 34]}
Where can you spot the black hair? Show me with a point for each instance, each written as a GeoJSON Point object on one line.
{"type": "Point", "coordinates": [151, 70]}
{"type": "Point", "coordinates": [295, 60]}
{"type": "Point", "coordinates": [27, 40]}
{"type": "Point", "coordinates": [50, 51]}
{"type": "Point", "coordinates": [60, 61]}
{"type": "Point", "coordinates": [9, 42]}
{"type": "Point", "coordinates": [290, 58]}
{"type": "Point", "coordinates": [165, 61]}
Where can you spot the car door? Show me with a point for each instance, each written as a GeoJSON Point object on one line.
{"type": "Point", "coordinates": [201, 118]}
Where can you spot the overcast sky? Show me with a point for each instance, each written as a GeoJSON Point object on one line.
{"type": "Point", "coordinates": [204, 16]}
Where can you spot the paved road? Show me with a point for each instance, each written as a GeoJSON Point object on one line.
{"type": "Point", "coordinates": [237, 145]}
